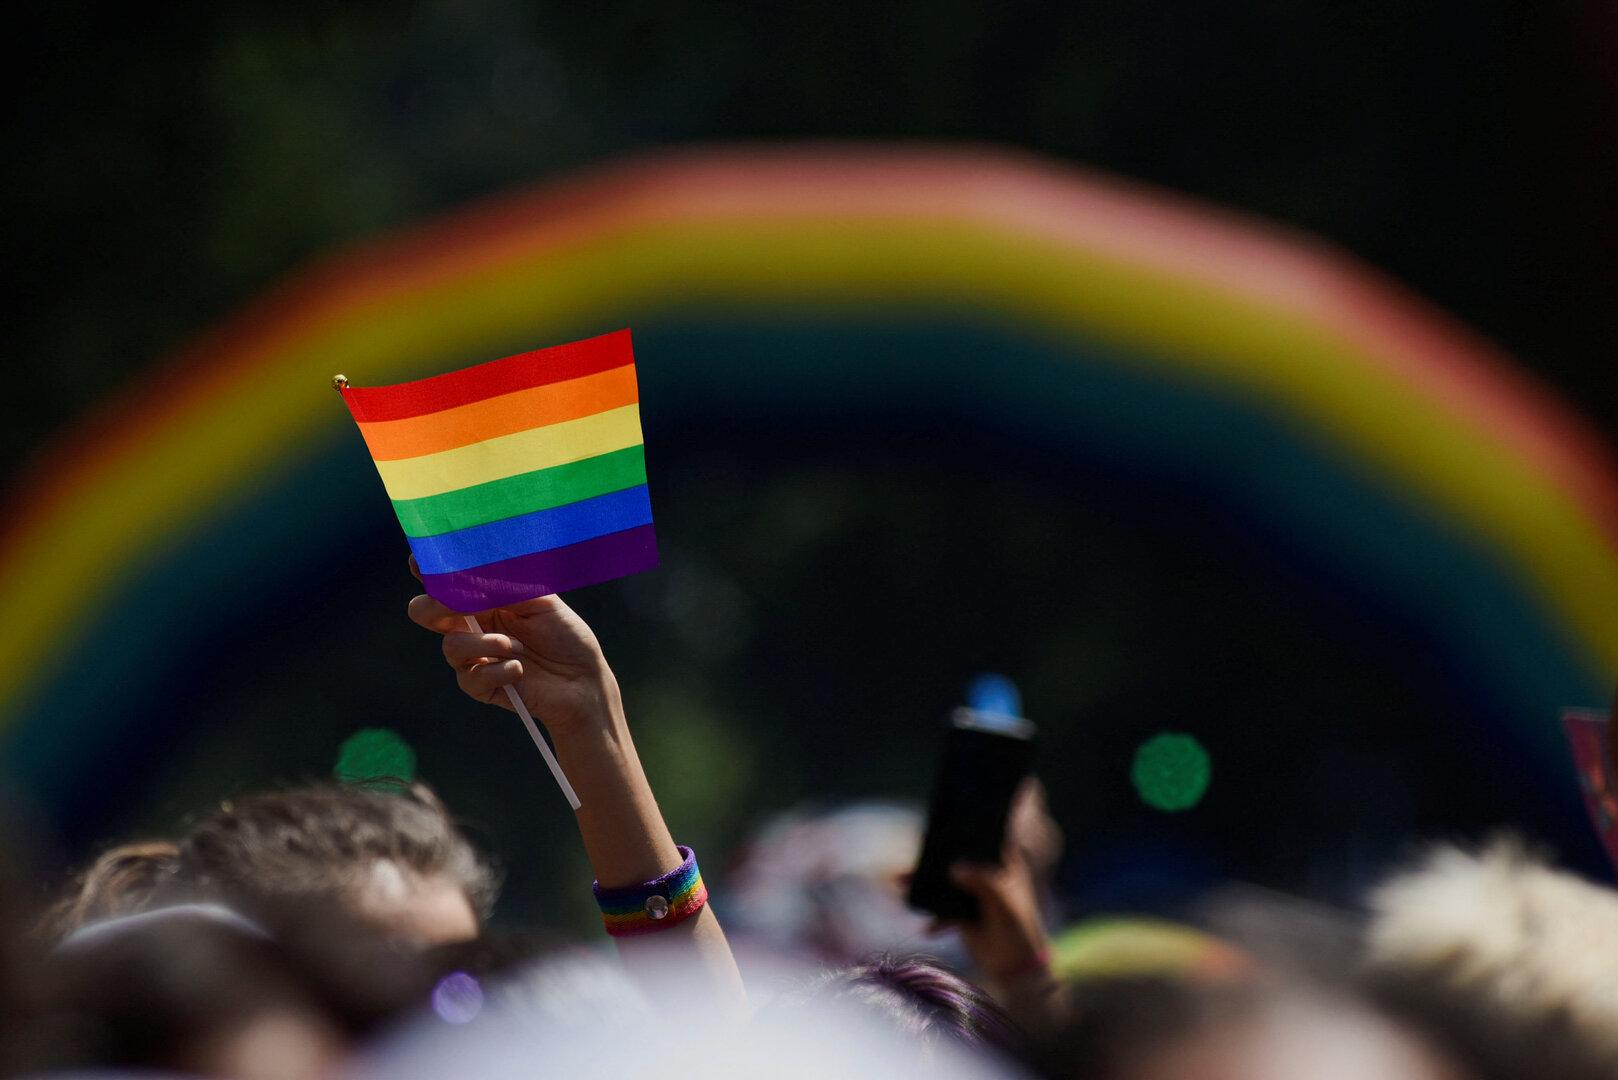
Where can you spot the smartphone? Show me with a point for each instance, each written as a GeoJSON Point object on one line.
{"type": "Point", "coordinates": [986, 758]}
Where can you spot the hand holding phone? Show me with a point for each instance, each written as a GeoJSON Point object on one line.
{"type": "Point", "coordinates": [986, 757]}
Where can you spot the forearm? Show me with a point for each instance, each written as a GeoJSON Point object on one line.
{"type": "Point", "coordinates": [627, 842]}
{"type": "Point", "coordinates": [623, 831]}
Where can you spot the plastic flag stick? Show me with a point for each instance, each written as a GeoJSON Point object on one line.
{"type": "Point", "coordinates": [533, 729]}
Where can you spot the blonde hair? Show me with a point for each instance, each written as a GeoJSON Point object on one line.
{"type": "Point", "coordinates": [121, 881]}
{"type": "Point", "coordinates": [1534, 945]}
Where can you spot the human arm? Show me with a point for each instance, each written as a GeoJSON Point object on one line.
{"type": "Point", "coordinates": [1008, 942]}
{"type": "Point", "coordinates": [548, 653]}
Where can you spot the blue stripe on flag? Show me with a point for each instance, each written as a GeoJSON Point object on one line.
{"type": "Point", "coordinates": [541, 530]}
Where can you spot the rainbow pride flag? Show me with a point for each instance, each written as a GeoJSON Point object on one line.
{"type": "Point", "coordinates": [519, 477]}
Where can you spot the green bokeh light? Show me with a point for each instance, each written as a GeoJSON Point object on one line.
{"type": "Point", "coordinates": [1171, 772]}
{"type": "Point", "coordinates": [375, 756]}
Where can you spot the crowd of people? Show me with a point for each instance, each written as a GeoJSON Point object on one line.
{"type": "Point", "coordinates": [341, 930]}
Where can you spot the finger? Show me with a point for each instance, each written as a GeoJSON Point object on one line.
{"type": "Point", "coordinates": [426, 612]}
{"type": "Point", "coordinates": [487, 682]}
{"type": "Point", "coordinates": [467, 650]}
{"type": "Point", "coordinates": [1031, 830]}
{"type": "Point", "coordinates": [980, 879]}
{"type": "Point", "coordinates": [415, 567]}
{"type": "Point", "coordinates": [1013, 858]}
{"type": "Point", "coordinates": [1027, 816]}
{"type": "Point", "coordinates": [1029, 799]}
{"type": "Point", "coordinates": [539, 605]}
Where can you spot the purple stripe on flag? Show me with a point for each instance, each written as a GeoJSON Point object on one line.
{"type": "Point", "coordinates": [511, 581]}
{"type": "Point", "coordinates": [542, 530]}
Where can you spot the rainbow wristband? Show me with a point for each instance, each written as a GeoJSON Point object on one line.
{"type": "Point", "coordinates": [654, 905]}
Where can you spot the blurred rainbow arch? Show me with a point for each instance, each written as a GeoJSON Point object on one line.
{"type": "Point", "coordinates": [1413, 451]}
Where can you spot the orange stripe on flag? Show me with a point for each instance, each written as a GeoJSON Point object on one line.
{"type": "Point", "coordinates": [539, 406]}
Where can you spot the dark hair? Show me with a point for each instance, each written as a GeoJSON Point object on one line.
{"type": "Point", "coordinates": [144, 998]}
{"type": "Point", "coordinates": [925, 1000]}
{"type": "Point", "coordinates": [121, 881]}
{"type": "Point", "coordinates": [316, 843]}
{"type": "Point", "coordinates": [159, 990]}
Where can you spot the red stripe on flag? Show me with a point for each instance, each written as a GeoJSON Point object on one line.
{"type": "Point", "coordinates": [521, 372]}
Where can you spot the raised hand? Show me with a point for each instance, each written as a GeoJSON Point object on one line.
{"type": "Point", "coordinates": [541, 647]}
{"type": "Point", "coordinates": [1008, 941]}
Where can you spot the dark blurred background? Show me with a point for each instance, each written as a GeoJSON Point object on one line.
{"type": "Point", "coordinates": [167, 162]}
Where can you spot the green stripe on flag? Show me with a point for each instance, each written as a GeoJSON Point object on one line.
{"type": "Point", "coordinates": [524, 493]}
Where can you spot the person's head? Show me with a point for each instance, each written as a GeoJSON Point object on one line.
{"type": "Point", "coordinates": [583, 1016]}
{"type": "Point", "coordinates": [186, 988]}
{"type": "Point", "coordinates": [121, 881]}
{"type": "Point", "coordinates": [924, 1001]}
{"type": "Point", "coordinates": [392, 857]}
{"type": "Point", "coordinates": [1170, 1028]}
{"type": "Point", "coordinates": [1510, 963]}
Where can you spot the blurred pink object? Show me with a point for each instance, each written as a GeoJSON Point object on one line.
{"type": "Point", "coordinates": [1591, 735]}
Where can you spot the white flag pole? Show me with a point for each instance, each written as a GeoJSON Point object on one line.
{"type": "Point", "coordinates": [533, 729]}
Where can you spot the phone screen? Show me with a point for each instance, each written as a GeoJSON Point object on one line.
{"type": "Point", "coordinates": [986, 758]}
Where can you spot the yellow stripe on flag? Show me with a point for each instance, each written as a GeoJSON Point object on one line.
{"type": "Point", "coordinates": [508, 455]}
